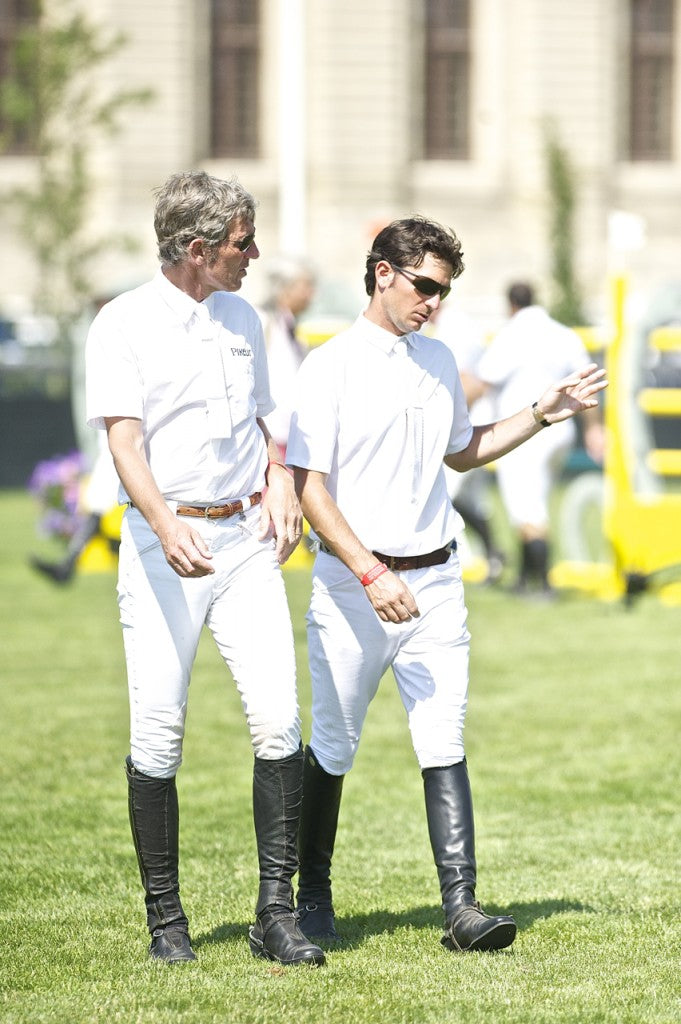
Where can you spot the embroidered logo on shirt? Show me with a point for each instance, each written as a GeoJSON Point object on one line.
{"type": "Point", "coordinates": [241, 352]}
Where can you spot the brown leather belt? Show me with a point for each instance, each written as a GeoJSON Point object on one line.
{"type": "Point", "coordinates": [218, 511]}
{"type": "Point", "coordinates": [401, 563]}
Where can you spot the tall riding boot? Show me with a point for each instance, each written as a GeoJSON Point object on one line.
{"type": "Point", "coordinates": [277, 791]}
{"type": "Point", "coordinates": [154, 820]}
{"type": "Point", "coordinates": [479, 523]}
{"type": "Point", "coordinates": [62, 572]}
{"type": "Point", "coordinates": [524, 568]}
{"type": "Point", "coordinates": [538, 560]}
{"type": "Point", "coordinates": [449, 809]}
{"type": "Point", "coordinates": [482, 525]}
{"type": "Point", "coordinates": [316, 837]}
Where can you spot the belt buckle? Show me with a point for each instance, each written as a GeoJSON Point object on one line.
{"type": "Point", "coordinates": [392, 560]}
{"type": "Point", "coordinates": [206, 510]}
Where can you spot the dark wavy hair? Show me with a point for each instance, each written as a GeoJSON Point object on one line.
{"type": "Point", "coordinates": [520, 294]}
{"type": "Point", "coordinates": [407, 242]}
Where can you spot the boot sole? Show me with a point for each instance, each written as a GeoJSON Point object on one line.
{"type": "Point", "coordinates": [258, 950]}
{"type": "Point", "coordinates": [182, 959]}
{"type": "Point", "coordinates": [499, 936]}
{"type": "Point", "coordinates": [175, 955]}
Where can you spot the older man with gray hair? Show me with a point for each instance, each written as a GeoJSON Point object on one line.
{"type": "Point", "coordinates": [177, 375]}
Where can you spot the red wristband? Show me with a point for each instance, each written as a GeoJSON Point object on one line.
{"type": "Point", "coordinates": [373, 574]}
{"type": "Point", "coordinates": [272, 463]}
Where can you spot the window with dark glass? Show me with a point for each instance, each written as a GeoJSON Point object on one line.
{"type": "Point", "coordinates": [235, 78]}
{"type": "Point", "coordinates": [651, 79]}
{"type": "Point", "coordinates": [15, 131]}
{"type": "Point", "coordinates": [446, 115]}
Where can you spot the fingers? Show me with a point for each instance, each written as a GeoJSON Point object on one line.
{"type": "Point", "coordinates": [391, 599]}
{"type": "Point", "coordinates": [575, 393]}
{"type": "Point", "coordinates": [590, 376]}
{"type": "Point", "coordinates": [285, 549]}
{"type": "Point", "coordinates": [187, 554]}
{"type": "Point", "coordinates": [286, 527]}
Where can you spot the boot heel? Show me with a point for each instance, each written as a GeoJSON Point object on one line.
{"type": "Point", "coordinates": [275, 936]}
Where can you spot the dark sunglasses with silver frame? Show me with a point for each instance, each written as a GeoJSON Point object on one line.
{"type": "Point", "coordinates": [244, 243]}
{"type": "Point", "coordinates": [425, 285]}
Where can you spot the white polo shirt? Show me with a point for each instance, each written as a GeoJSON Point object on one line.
{"type": "Point", "coordinates": [195, 374]}
{"type": "Point", "coordinates": [377, 414]}
{"type": "Point", "coordinates": [526, 356]}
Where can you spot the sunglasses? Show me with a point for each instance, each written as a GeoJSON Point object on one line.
{"type": "Point", "coordinates": [425, 285]}
{"type": "Point", "coordinates": [244, 243]}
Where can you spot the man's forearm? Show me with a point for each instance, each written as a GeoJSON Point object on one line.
{"type": "Point", "coordinates": [493, 440]}
{"type": "Point", "coordinates": [135, 474]}
{"type": "Point", "coordinates": [330, 525]}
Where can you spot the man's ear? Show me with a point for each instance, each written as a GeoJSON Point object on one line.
{"type": "Point", "coordinates": [384, 274]}
{"type": "Point", "coordinates": [197, 250]}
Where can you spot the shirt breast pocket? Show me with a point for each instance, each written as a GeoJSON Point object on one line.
{"type": "Point", "coordinates": [240, 381]}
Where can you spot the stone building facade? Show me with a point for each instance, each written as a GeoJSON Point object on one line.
{"type": "Point", "coordinates": [340, 115]}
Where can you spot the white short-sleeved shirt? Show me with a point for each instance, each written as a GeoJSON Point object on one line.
{"type": "Point", "coordinates": [530, 353]}
{"type": "Point", "coordinates": [195, 374]}
{"type": "Point", "coordinates": [377, 414]}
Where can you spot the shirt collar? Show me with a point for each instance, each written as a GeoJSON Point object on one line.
{"type": "Point", "coordinates": [386, 340]}
{"type": "Point", "coordinates": [180, 303]}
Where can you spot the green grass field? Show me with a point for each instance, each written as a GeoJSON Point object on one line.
{"type": "Point", "coordinates": [573, 745]}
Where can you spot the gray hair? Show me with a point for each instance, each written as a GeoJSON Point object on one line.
{"type": "Point", "coordinates": [193, 204]}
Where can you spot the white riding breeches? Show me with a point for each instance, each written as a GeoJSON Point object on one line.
{"type": "Point", "coordinates": [527, 474]}
{"type": "Point", "coordinates": [244, 605]}
{"type": "Point", "coordinates": [350, 648]}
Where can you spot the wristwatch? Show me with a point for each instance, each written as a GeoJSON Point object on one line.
{"type": "Point", "coordinates": [539, 416]}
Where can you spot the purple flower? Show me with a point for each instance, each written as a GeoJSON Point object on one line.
{"type": "Point", "coordinates": [56, 484]}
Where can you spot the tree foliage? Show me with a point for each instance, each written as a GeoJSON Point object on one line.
{"type": "Point", "coordinates": [566, 304]}
{"type": "Point", "coordinates": [54, 104]}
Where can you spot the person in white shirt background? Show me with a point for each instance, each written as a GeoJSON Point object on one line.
{"type": "Point", "coordinates": [379, 411]}
{"type": "Point", "coordinates": [290, 290]}
{"type": "Point", "coordinates": [176, 373]}
{"type": "Point", "coordinates": [530, 351]}
{"type": "Point", "coordinates": [470, 492]}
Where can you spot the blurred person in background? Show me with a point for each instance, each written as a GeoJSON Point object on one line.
{"type": "Point", "coordinates": [99, 496]}
{"type": "Point", "coordinates": [290, 290]}
{"type": "Point", "coordinates": [529, 352]}
{"type": "Point", "coordinates": [100, 491]}
{"type": "Point", "coordinates": [469, 492]}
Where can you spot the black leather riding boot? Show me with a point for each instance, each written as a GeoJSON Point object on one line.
{"type": "Point", "coordinates": [277, 792]}
{"type": "Point", "coordinates": [449, 809]}
{"type": "Point", "coordinates": [316, 838]}
{"type": "Point", "coordinates": [62, 572]}
{"type": "Point", "coordinates": [154, 820]}
{"type": "Point", "coordinates": [538, 560]}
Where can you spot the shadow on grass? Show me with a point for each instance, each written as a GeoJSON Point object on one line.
{"type": "Point", "coordinates": [223, 933]}
{"type": "Point", "coordinates": [527, 913]}
{"type": "Point", "coordinates": [355, 929]}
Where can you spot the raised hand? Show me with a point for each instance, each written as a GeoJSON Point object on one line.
{"type": "Point", "coordinates": [573, 394]}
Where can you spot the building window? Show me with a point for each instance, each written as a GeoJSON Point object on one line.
{"type": "Point", "coordinates": [15, 131]}
{"type": "Point", "coordinates": [651, 79]}
{"type": "Point", "coordinates": [446, 117]}
{"type": "Point", "coordinates": [235, 78]}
